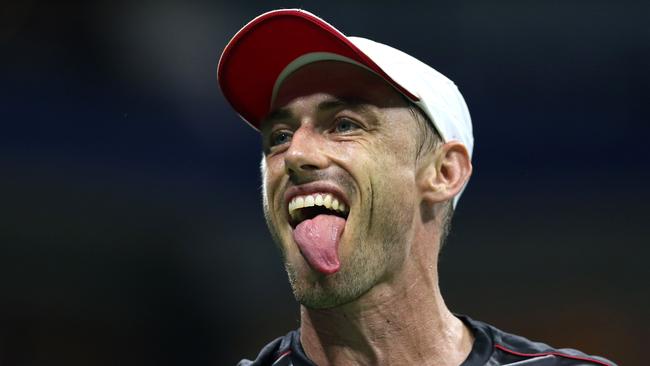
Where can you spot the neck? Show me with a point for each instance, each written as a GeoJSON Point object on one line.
{"type": "Point", "coordinates": [399, 322]}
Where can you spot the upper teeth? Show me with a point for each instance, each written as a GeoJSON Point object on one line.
{"type": "Point", "coordinates": [316, 199]}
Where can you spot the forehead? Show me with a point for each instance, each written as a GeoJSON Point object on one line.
{"type": "Point", "coordinates": [340, 80]}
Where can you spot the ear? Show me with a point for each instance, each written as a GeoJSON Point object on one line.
{"type": "Point", "coordinates": [443, 175]}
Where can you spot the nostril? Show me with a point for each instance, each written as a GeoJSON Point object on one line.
{"type": "Point", "coordinates": [301, 173]}
{"type": "Point", "coordinates": [301, 168]}
{"type": "Point", "coordinates": [308, 167]}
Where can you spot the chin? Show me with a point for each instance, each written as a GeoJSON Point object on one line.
{"type": "Point", "coordinates": [316, 291]}
{"type": "Point", "coordinates": [318, 296]}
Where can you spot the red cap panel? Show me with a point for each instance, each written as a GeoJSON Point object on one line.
{"type": "Point", "coordinates": [257, 54]}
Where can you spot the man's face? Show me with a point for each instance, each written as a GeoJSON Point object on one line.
{"type": "Point", "coordinates": [338, 129]}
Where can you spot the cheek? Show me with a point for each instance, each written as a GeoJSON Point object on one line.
{"type": "Point", "coordinates": [272, 172]}
{"type": "Point", "coordinates": [383, 168]}
{"type": "Point", "coordinates": [392, 161]}
{"type": "Point", "coordinates": [393, 184]}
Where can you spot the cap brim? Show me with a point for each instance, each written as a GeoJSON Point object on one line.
{"type": "Point", "coordinates": [256, 56]}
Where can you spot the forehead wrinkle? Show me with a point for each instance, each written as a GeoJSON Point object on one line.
{"type": "Point", "coordinates": [357, 104]}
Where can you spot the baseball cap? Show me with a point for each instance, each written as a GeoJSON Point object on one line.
{"type": "Point", "coordinates": [269, 48]}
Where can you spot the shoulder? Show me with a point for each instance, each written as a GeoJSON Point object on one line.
{"type": "Point", "coordinates": [507, 348]}
{"type": "Point", "coordinates": [282, 351]}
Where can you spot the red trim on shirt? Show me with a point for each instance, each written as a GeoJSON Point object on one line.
{"type": "Point", "coordinates": [288, 352]}
{"type": "Point", "coordinates": [559, 354]}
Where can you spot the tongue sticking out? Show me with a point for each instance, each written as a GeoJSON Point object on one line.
{"type": "Point", "coordinates": [318, 240]}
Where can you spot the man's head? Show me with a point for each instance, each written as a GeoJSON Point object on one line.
{"type": "Point", "coordinates": [356, 179]}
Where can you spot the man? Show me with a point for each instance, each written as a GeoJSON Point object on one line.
{"type": "Point", "coordinates": [366, 153]}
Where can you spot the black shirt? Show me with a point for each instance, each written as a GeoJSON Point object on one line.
{"type": "Point", "coordinates": [492, 347]}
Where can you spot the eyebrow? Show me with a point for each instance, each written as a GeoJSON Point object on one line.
{"type": "Point", "coordinates": [282, 113]}
{"type": "Point", "coordinates": [356, 104]}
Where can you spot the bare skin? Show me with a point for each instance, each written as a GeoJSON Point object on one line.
{"type": "Point", "coordinates": [338, 123]}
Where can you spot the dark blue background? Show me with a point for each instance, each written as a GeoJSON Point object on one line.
{"type": "Point", "coordinates": [131, 229]}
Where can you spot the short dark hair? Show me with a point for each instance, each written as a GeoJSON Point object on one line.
{"type": "Point", "coordinates": [429, 139]}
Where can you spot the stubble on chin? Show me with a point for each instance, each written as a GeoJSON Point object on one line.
{"type": "Point", "coordinates": [323, 292]}
{"type": "Point", "coordinates": [362, 271]}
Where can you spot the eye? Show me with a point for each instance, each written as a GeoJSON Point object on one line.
{"type": "Point", "coordinates": [344, 125]}
{"type": "Point", "coordinates": [280, 137]}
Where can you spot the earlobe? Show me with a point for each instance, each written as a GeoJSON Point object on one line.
{"type": "Point", "coordinates": [446, 173]}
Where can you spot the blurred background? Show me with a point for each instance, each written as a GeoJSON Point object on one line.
{"type": "Point", "coordinates": [131, 230]}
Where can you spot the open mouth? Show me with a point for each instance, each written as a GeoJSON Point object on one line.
{"type": "Point", "coordinates": [307, 207]}
{"type": "Point", "coordinates": [318, 221]}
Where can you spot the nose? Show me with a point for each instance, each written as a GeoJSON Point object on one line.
{"type": "Point", "coordinates": [305, 152]}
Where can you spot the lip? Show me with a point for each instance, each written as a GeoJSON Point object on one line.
{"type": "Point", "coordinates": [314, 187]}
